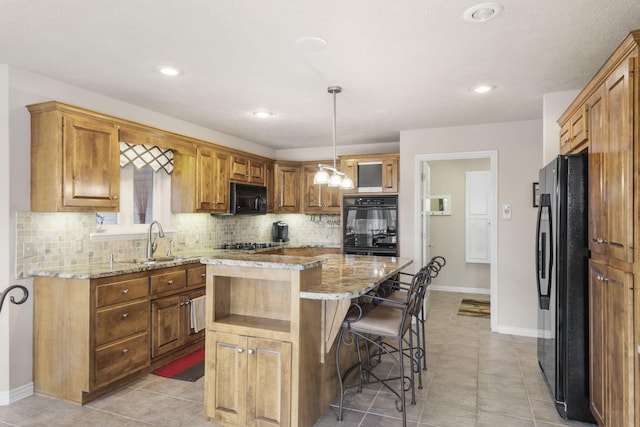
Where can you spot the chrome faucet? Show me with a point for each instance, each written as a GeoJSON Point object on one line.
{"type": "Point", "coordinates": [152, 246]}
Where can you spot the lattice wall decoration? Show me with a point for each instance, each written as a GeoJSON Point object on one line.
{"type": "Point", "coordinates": [141, 155]}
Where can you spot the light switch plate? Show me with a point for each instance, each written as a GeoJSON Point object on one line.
{"type": "Point", "coordinates": [506, 211]}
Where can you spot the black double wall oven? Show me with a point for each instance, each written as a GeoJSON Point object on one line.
{"type": "Point", "coordinates": [370, 225]}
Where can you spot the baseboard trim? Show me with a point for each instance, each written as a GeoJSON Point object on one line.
{"type": "Point", "coordinates": [10, 396]}
{"type": "Point", "coordinates": [524, 332]}
{"type": "Point", "coordinates": [460, 289]}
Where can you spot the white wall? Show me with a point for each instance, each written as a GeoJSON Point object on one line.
{"type": "Point", "coordinates": [554, 104]}
{"type": "Point", "coordinates": [519, 152]}
{"type": "Point", "coordinates": [5, 253]}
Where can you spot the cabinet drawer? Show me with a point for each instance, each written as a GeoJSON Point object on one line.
{"type": "Point", "coordinates": [122, 357]}
{"type": "Point", "coordinates": [121, 321]}
{"type": "Point", "coordinates": [167, 282]}
{"type": "Point", "coordinates": [118, 292]}
{"type": "Point", "coordinates": [196, 276]}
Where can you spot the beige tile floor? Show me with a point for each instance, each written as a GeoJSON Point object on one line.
{"type": "Point", "coordinates": [474, 378]}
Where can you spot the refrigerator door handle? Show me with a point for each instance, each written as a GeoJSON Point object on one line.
{"type": "Point", "coordinates": [544, 299]}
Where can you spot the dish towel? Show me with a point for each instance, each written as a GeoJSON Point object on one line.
{"type": "Point", "coordinates": [198, 313]}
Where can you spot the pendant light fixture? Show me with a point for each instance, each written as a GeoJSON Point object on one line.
{"type": "Point", "coordinates": [337, 178]}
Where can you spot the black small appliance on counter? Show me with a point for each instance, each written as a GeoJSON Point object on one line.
{"type": "Point", "coordinates": [280, 232]}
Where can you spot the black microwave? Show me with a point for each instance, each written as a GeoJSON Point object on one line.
{"type": "Point", "coordinates": [248, 199]}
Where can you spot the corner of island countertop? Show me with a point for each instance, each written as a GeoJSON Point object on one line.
{"type": "Point", "coordinates": [257, 260]}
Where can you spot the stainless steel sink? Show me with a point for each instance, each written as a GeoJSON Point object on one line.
{"type": "Point", "coordinates": [161, 259]}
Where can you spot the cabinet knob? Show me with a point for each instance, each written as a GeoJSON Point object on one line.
{"type": "Point", "coordinates": [169, 282]}
{"type": "Point", "coordinates": [250, 351]}
{"type": "Point", "coordinates": [125, 315]}
{"type": "Point", "coordinates": [125, 350]}
{"type": "Point", "coordinates": [114, 198]}
{"type": "Point", "coordinates": [125, 291]}
{"type": "Point", "coordinates": [203, 275]}
{"type": "Point", "coordinates": [240, 350]}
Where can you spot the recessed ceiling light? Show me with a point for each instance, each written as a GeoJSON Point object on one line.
{"type": "Point", "coordinates": [169, 70]}
{"type": "Point", "coordinates": [311, 43]}
{"type": "Point", "coordinates": [263, 114]}
{"type": "Point", "coordinates": [483, 12]}
{"type": "Point", "coordinates": [483, 88]}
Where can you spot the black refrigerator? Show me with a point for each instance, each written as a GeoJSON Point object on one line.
{"type": "Point", "coordinates": [562, 256]}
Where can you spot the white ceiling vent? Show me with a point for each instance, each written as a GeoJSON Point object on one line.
{"type": "Point", "coordinates": [483, 12]}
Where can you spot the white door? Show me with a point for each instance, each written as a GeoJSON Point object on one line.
{"type": "Point", "coordinates": [425, 233]}
{"type": "Point", "coordinates": [478, 203]}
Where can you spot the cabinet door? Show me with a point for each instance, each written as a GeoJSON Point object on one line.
{"type": "Point", "coordinates": [618, 164]}
{"type": "Point", "coordinates": [91, 166]}
{"type": "Point", "coordinates": [227, 389]}
{"type": "Point", "coordinates": [189, 334]}
{"type": "Point", "coordinates": [611, 345]}
{"type": "Point", "coordinates": [597, 337]}
{"type": "Point", "coordinates": [579, 128]}
{"type": "Point", "coordinates": [390, 176]}
{"type": "Point", "coordinates": [620, 349]}
{"type": "Point", "coordinates": [167, 324]}
{"type": "Point", "coordinates": [257, 173]}
{"type": "Point", "coordinates": [287, 189]}
{"type": "Point", "coordinates": [350, 167]}
{"type": "Point", "coordinates": [318, 199]}
{"type": "Point", "coordinates": [269, 382]}
{"type": "Point", "coordinates": [597, 206]}
{"type": "Point", "coordinates": [212, 194]}
{"type": "Point", "coordinates": [239, 169]}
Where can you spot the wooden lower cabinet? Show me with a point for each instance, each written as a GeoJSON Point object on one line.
{"type": "Point", "coordinates": [94, 335]}
{"type": "Point", "coordinates": [252, 380]}
{"type": "Point", "coordinates": [611, 345]}
{"type": "Point", "coordinates": [170, 322]}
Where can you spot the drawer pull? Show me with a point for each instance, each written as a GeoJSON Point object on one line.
{"type": "Point", "coordinates": [240, 350]}
{"type": "Point", "coordinates": [169, 282]}
{"type": "Point", "coordinates": [250, 351]}
{"type": "Point", "coordinates": [125, 291]}
{"type": "Point", "coordinates": [125, 315]}
{"type": "Point", "coordinates": [125, 350]}
{"type": "Point", "coordinates": [203, 275]}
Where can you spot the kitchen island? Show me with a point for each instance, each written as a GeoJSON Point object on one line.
{"type": "Point", "coordinates": [271, 326]}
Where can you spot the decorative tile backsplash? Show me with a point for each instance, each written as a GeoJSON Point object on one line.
{"type": "Point", "coordinates": [56, 240]}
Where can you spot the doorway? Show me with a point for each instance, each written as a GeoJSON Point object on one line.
{"type": "Point", "coordinates": [422, 217]}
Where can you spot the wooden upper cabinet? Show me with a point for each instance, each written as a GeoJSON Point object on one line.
{"type": "Point", "coordinates": [287, 187]}
{"type": "Point", "coordinates": [247, 169]}
{"type": "Point", "coordinates": [597, 201]}
{"type": "Point", "coordinates": [618, 163]}
{"type": "Point", "coordinates": [574, 133]}
{"type": "Point", "coordinates": [318, 199]}
{"type": "Point", "coordinates": [212, 180]}
{"type": "Point", "coordinates": [74, 161]}
{"type": "Point", "coordinates": [611, 219]}
{"type": "Point", "coordinates": [389, 171]}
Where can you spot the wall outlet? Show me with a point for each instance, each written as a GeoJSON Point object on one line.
{"type": "Point", "coordinates": [27, 250]}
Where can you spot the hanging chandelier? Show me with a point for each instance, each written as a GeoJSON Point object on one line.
{"type": "Point", "coordinates": [337, 178]}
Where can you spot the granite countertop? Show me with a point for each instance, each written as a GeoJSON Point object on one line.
{"type": "Point", "coordinates": [349, 276]}
{"type": "Point", "coordinates": [343, 276]}
{"type": "Point", "coordinates": [105, 269]}
{"type": "Point", "coordinates": [258, 260]}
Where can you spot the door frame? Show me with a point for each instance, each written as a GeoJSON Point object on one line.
{"type": "Point", "coordinates": [492, 155]}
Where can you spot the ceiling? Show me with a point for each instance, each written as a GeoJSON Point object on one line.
{"type": "Point", "coordinates": [402, 64]}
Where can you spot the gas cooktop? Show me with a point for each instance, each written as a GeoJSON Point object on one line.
{"type": "Point", "coordinates": [246, 246]}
